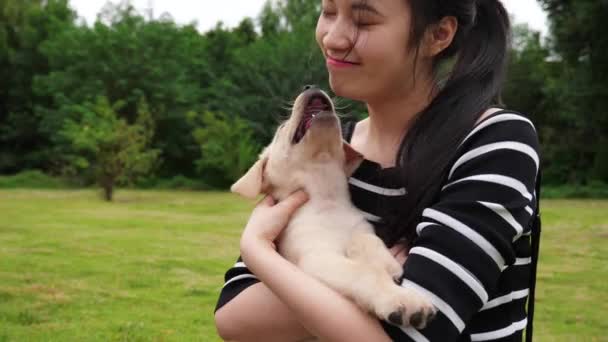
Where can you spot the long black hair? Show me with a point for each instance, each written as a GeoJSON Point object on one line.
{"type": "Point", "coordinates": [479, 56]}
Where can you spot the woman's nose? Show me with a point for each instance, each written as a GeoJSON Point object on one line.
{"type": "Point", "coordinates": [309, 86]}
{"type": "Point", "coordinates": [338, 36]}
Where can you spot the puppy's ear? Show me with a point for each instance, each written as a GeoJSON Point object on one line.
{"type": "Point", "coordinates": [353, 158]}
{"type": "Point", "coordinates": [252, 183]}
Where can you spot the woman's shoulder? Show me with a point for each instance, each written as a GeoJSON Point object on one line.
{"type": "Point", "coordinates": [487, 113]}
{"type": "Point", "coordinates": [498, 124]}
{"type": "Point", "coordinates": [501, 140]}
{"type": "Point", "coordinates": [494, 115]}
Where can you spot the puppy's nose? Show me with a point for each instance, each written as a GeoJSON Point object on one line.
{"type": "Point", "coordinates": [309, 86]}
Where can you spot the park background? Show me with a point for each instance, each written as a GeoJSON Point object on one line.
{"type": "Point", "coordinates": [170, 115]}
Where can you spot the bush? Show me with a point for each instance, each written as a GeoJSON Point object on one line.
{"type": "Point", "coordinates": [178, 182]}
{"type": "Point", "coordinates": [33, 179]}
{"type": "Point", "coordinates": [227, 146]}
{"type": "Point", "coordinates": [591, 190]}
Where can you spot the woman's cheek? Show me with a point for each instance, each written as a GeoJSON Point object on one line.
{"type": "Point", "coordinates": [320, 32]}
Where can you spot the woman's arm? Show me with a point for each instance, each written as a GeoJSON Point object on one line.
{"type": "Point", "coordinates": [256, 314]}
{"type": "Point", "coordinates": [320, 310]}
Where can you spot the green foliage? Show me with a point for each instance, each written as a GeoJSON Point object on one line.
{"type": "Point", "coordinates": [525, 89]}
{"type": "Point", "coordinates": [124, 58]}
{"type": "Point", "coordinates": [227, 145]}
{"type": "Point", "coordinates": [558, 94]}
{"type": "Point", "coordinates": [594, 189]}
{"type": "Point", "coordinates": [116, 152]}
{"type": "Point", "coordinates": [178, 182]}
{"type": "Point", "coordinates": [24, 27]}
{"type": "Point", "coordinates": [578, 88]}
{"type": "Point", "coordinates": [54, 69]}
{"type": "Point", "coordinates": [31, 179]}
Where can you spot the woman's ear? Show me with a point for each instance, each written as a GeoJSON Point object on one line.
{"type": "Point", "coordinates": [352, 159]}
{"type": "Point", "coordinates": [439, 36]}
{"type": "Point", "coordinates": [251, 184]}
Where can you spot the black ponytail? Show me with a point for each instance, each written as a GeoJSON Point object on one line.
{"type": "Point", "coordinates": [480, 49]}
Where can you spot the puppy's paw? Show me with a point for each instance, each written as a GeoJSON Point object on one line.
{"type": "Point", "coordinates": [405, 307]}
{"type": "Point", "coordinates": [422, 318]}
{"type": "Point", "coordinates": [396, 317]}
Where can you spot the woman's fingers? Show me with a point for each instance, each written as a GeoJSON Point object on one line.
{"type": "Point", "coordinates": [267, 201]}
{"type": "Point", "coordinates": [268, 219]}
{"type": "Point", "coordinates": [293, 202]}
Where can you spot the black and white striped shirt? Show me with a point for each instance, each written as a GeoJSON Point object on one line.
{"type": "Point", "coordinates": [472, 255]}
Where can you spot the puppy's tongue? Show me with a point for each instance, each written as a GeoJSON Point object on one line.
{"type": "Point", "coordinates": [316, 106]}
{"type": "Point", "coordinates": [308, 123]}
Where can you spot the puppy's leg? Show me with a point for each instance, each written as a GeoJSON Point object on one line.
{"type": "Point", "coordinates": [346, 276]}
{"type": "Point", "coordinates": [402, 305]}
{"type": "Point", "coordinates": [369, 248]}
{"type": "Point", "coordinates": [370, 287]}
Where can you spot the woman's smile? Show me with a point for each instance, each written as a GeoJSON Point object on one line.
{"type": "Point", "coordinates": [333, 63]}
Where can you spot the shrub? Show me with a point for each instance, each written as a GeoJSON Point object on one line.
{"type": "Point", "coordinates": [33, 179]}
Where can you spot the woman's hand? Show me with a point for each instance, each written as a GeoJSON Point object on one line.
{"type": "Point", "coordinates": [268, 219]}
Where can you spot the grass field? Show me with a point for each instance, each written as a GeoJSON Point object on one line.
{"type": "Point", "coordinates": [149, 266]}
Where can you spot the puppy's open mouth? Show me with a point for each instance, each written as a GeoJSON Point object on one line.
{"type": "Point", "coordinates": [316, 104]}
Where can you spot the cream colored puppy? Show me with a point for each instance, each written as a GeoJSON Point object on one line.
{"type": "Point", "coordinates": [328, 237]}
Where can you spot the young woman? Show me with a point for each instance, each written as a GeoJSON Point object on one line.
{"type": "Point", "coordinates": [447, 178]}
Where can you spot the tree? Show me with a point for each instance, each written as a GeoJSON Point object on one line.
{"type": "Point", "coordinates": [24, 26]}
{"type": "Point", "coordinates": [299, 13]}
{"type": "Point", "coordinates": [245, 32]}
{"type": "Point", "coordinates": [123, 57]}
{"type": "Point", "coordinates": [227, 146]}
{"type": "Point", "coordinates": [269, 20]}
{"type": "Point", "coordinates": [581, 90]}
{"type": "Point", "coordinates": [528, 71]}
{"type": "Point", "coordinates": [113, 150]}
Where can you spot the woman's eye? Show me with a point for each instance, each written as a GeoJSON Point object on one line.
{"type": "Point", "coordinates": [363, 20]}
{"type": "Point", "coordinates": [364, 23]}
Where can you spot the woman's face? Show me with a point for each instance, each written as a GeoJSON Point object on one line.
{"type": "Point", "coordinates": [365, 43]}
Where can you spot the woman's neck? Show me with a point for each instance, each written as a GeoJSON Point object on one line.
{"type": "Point", "coordinates": [389, 120]}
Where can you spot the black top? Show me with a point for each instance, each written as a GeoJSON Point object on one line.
{"type": "Point", "coordinates": [472, 255]}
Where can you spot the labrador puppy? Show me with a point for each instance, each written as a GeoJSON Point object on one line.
{"type": "Point", "coordinates": [328, 237]}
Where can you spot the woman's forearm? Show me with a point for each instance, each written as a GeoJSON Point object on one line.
{"type": "Point", "coordinates": [256, 314]}
{"type": "Point", "coordinates": [321, 310]}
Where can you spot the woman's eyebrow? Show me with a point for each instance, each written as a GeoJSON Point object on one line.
{"type": "Point", "coordinates": [364, 6]}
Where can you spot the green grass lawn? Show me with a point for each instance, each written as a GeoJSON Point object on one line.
{"type": "Point", "coordinates": [149, 266]}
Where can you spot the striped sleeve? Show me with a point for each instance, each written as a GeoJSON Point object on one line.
{"type": "Point", "coordinates": [236, 279]}
{"type": "Point", "coordinates": [468, 240]}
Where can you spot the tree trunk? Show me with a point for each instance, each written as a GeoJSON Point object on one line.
{"type": "Point", "coordinates": [107, 183]}
{"type": "Point", "coordinates": [108, 192]}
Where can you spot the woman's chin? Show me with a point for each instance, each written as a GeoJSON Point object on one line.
{"type": "Point", "coordinates": [350, 90]}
